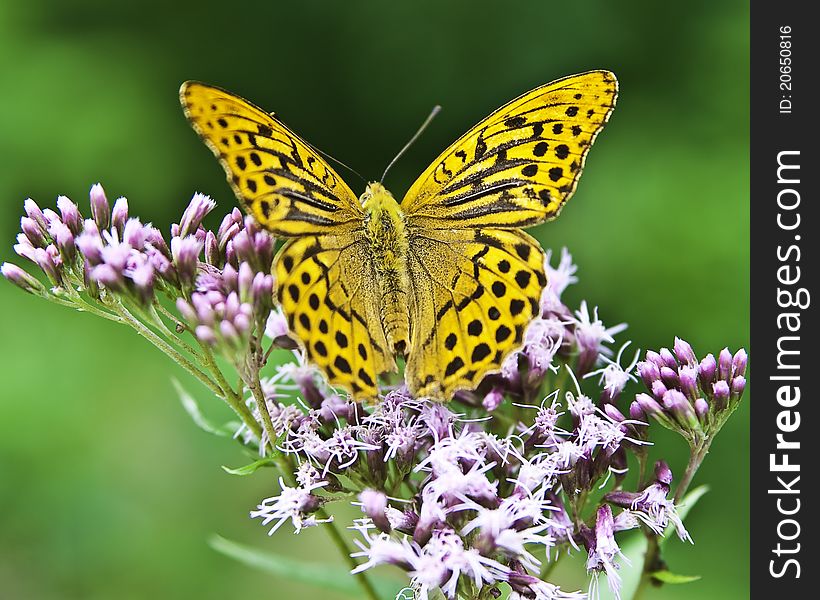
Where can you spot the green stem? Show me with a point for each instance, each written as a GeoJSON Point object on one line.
{"type": "Point", "coordinates": [696, 456]}
{"type": "Point", "coordinates": [653, 561]}
{"type": "Point", "coordinates": [233, 399]}
{"type": "Point", "coordinates": [650, 565]}
{"type": "Point", "coordinates": [172, 335]}
{"type": "Point", "coordinates": [252, 381]}
{"type": "Point", "coordinates": [343, 547]}
{"type": "Point", "coordinates": [157, 341]}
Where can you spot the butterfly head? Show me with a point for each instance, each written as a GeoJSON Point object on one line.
{"type": "Point", "coordinates": [375, 194]}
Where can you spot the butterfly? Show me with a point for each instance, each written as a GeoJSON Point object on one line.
{"type": "Point", "coordinates": [446, 278]}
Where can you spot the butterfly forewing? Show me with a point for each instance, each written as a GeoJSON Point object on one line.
{"type": "Point", "coordinates": [473, 293]}
{"type": "Point", "coordinates": [517, 167]}
{"type": "Point", "coordinates": [279, 179]}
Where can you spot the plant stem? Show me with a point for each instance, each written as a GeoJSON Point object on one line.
{"type": "Point", "coordinates": [698, 453]}
{"type": "Point", "coordinates": [650, 564]}
{"type": "Point", "coordinates": [252, 381]}
{"type": "Point", "coordinates": [652, 559]}
{"type": "Point", "coordinates": [168, 349]}
{"type": "Point", "coordinates": [343, 547]}
{"type": "Point", "coordinates": [231, 397]}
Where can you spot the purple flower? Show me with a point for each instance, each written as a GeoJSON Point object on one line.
{"type": "Point", "coordinates": [603, 549]}
{"type": "Point", "coordinates": [294, 503]}
{"type": "Point", "coordinates": [493, 399]}
{"type": "Point", "coordinates": [374, 505]}
{"type": "Point", "coordinates": [651, 506]}
{"type": "Point", "coordinates": [199, 206]}
{"type": "Point", "coordinates": [590, 335]}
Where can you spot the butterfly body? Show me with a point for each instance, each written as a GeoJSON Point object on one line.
{"type": "Point", "coordinates": [445, 278]}
{"type": "Point", "coordinates": [386, 234]}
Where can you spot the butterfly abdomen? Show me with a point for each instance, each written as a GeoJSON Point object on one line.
{"type": "Point", "coordinates": [387, 238]}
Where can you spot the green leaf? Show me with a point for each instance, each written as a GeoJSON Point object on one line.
{"type": "Point", "coordinates": [327, 577]}
{"type": "Point", "coordinates": [672, 578]}
{"type": "Point", "coordinates": [192, 408]}
{"type": "Point", "coordinates": [251, 468]}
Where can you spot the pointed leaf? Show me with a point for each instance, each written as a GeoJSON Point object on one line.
{"type": "Point", "coordinates": [672, 578]}
{"type": "Point", "coordinates": [251, 468]}
{"type": "Point", "coordinates": [323, 576]}
{"type": "Point", "coordinates": [192, 408]}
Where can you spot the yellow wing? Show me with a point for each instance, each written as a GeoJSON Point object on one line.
{"type": "Point", "coordinates": [328, 290]}
{"type": "Point", "coordinates": [281, 181]}
{"type": "Point", "coordinates": [517, 167]}
{"type": "Point", "coordinates": [473, 292]}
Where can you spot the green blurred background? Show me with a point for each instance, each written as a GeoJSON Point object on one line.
{"type": "Point", "coordinates": [107, 490]}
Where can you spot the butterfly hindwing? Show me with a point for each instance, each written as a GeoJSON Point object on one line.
{"type": "Point", "coordinates": [517, 167]}
{"type": "Point", "coordinates": [473, 294]}
{"type": "Point", "coordinates": [327, 289]}
{"type": "Point", "coordinates": [287, 187]}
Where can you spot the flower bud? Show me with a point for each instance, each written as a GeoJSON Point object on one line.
{"type": "Point", "coordinates": [725, 365]}
{"type": "Point", "coordinates": [185, 252]}
{"type": "Point", "coordinates": [655, 358]}
{"type": "Point", "coordinates": [720, 393]}
{"type": "Point", "coordinates": [649, 405]}
{"type": "Point", "coordinates": [134, 234]}
{"type": "Point", "coordinates": [70, 215]}
{"type": "Point", "coordinates": [196, 210]}
{"type": "Point", "coordinates": [739, 361]}
{"type": "Point", "coordinates": [663, 474]}
{"type": "Point", "coordinates": [33, 212]}
{"type": "Point", "coordinates": [738, 386]}
{"type": "Point", "coordinates": [205, 334]}
{"type": "Point", "coordinates": [688, 379]}
{"type": "Point", "coordinates": [65, 242]}
{"type": "Point", "coordinates": [613, 413]}
{"type": "Point", "coordinates": [648, 372]}
{"type": "Point", "coordinates": [245, 282]}
{"type": "Point", "coordinates": [22, 279]}
{"type": "Point", "coordinates": [33, 232]}
{"type": "Point", "coordinates": [374, 505]}
{"type": "Point", "coordinates": [100, 209]}
{"type": "Point", "coordinates": [262, 292]}
{"type": "Point", "coordinates": [668, 359]}
{"type": "Point", "coordinates": [684, 352]}
{"type": "Point", "coordinates": [677, 405]}
{"type": "Point", "coordinates": [153, 236]}
{"type": "Point", "coordinates": [707, 370]}
{"type": "Point", "coordinates": [119, 215]}
{"type": "Point", "coordinates": [212, 254]}
{"type": "Point", "coordinates": [658, 389]}
{"type": "Point", "coordinates": [669, 377]}
{"type": "Point", "coordinates": [493, 399]}
{"type": "Point", "coordinates": [45, 261]}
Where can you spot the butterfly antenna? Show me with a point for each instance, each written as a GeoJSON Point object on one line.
{"type": "Point", "coordinates": [338, 162]}
{"type": "Point", "coordinates": [433, 113]}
